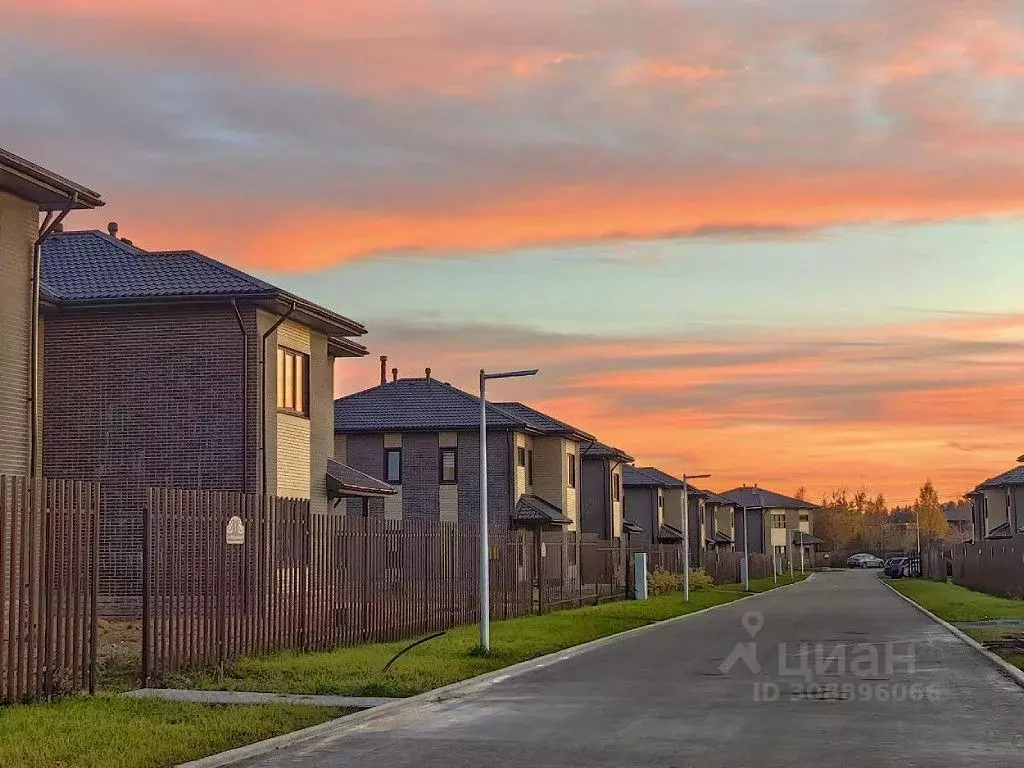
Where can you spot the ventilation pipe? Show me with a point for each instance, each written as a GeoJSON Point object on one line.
{"type": "Point", "coordinates": [383, 369]}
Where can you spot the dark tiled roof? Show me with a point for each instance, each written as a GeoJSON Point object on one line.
{"type": "Point", "coordinates": [630, 527]}
{"type": "Point", "coordinates": [960, 513]}
{"type": "Point", "coordinates": [1001, 531]}
{"type": "Point", "coordinates": [668, 532]}
{"type": "Point", "coordinates": [543, 423]}
{"type": "Point", "coordinates": [722, 538]}
{"type": "Point", "coordinates": [715, 498]}
{"type": "Point", "coordinates": [92, 267]}
{"type": "Point", "coordinates": [48, 190]}
{"type": "Point", "coordinates": [408, 405]}
{"type": "Point", "coordinates": [597, 450]}
{"type": "Point", "coordinates": [343, 480]}
{"type": "Point", "coordinates": [533, 510]}
{"type": "Point", "coordinates": [649, 476]}
{"type": "Point", "coordinates": [1013, 476]}
{"type": "Point", "coordinates": [756, 497]}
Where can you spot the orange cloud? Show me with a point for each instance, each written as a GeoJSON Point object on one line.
{"type": "Point", "coordinates": [887, 408]}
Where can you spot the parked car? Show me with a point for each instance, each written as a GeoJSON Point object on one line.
{"type": "Point", "coordinates": [898, 567]}
{"type": "Point", "coordinates": [864, 560]}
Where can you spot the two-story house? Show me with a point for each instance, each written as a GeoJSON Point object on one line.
{"type": "Point", "coordinates": [998, 506]}
{"type": "Point", "coordinates": [170, 368]}
{"type": "Point", "coordinates": [422, 437]}
{"type": "Point", "coordinates": [720, 521]}
{"type": "Point", "coordinates": [776, 524]}
{"type": "Point", "coordinates": [602, 492]}
{"type": "Point", "coordinates": [26, 190]}
{"type": "Point", "coordinates": [654, 503]}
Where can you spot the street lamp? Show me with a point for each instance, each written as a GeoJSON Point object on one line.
{"type": "Point", "coordinates": [686, 535]}
{"type": "Point", "coordinates": [485, 575]}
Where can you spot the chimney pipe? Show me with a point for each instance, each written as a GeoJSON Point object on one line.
{"type": "Point", "coordinates": [428, 373]}
{"type": "Point", "coordinates": [112, 229]}
{"type": "Point", "coordinates": [394, 374]}
{"type": "Point", "coordinates": [383, 369]}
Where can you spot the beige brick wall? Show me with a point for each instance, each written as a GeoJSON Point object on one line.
{"type": "Point", "coordinates": [523, 441]}
{"type": "Point", "coordinates": [549, 470]}
{"type": "Point", "coordinates": [340, 447]}
{"type": "Point", "coordinates": [448, 494]}
{"type": "Point", "coordinates": [19, 228]}
{"type": "Point", "coordinates": [617, 505]}
{"type": "Point", "coordinates": [293, 456]}
{"type": "Point", "coordinates": [570, 497]}
{"type": "Point", "coordinates": [294, 336]}
{"type": "Point", "coordinates": [321, 420]}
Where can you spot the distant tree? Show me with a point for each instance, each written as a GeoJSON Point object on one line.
{"type": "Point", "coordinates": [801, 493]}
{"type": "Point", "coordinates": [929, 513]}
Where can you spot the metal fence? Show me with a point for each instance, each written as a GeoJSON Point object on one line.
{"type": "Point", "coordinates": [724, 567]}
{"type": "Point", "coordinates": [280, 577]}
{"type": "Point", "coordinates": [49, 566]}
{"type": "Point", "coordinates": [989, 566]}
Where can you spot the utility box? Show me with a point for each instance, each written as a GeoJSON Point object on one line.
{"type": "Point", "coordinates": [640, 576]}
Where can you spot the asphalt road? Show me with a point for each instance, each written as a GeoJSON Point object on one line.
{"type": "Point", "coordinates": [661, 699]}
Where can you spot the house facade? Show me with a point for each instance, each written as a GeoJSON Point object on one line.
{"type": "Point", "coordinates": [719, 521]}
{"type": "Point", "coordinates": [172, 369]}
{"type": "Point", "coordinates": [998, 506]}
{"type": "Point", "coordinates": [422, 437]}
{"type": "Point", "coordinates": [603, 494]}
{"type": "Point", "coordinates": [26, 191]}
{"type": "Point", "coordinates": [654, 503]}
{"type": "Point", "coordinates": [776, 524]}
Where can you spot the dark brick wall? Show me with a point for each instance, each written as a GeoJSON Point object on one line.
{"type": "Point", "coordinates": [420, 454]}
{"type": "Point", "coordinates": [366, 453]}
{"type": "Point", "coordinates": [755, 531]}
{"type": "Point", "coordinates": [499, 468]}
{"type": "Point", "coordinates": [147, 396]}
{"type": "Point", "coordinates": [641, 508]}
{"type": "Point", "coordinates": [595, 498]}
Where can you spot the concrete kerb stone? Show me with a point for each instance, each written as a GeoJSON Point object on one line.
{"type": "Point", "coordinates": [1012, 672]}
{"type": "Point", "coordinates": [351, 722]}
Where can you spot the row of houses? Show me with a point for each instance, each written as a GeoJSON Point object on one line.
{"type": "Point", "coordinates": [994, 509]}
{"type": "Point", "coordinates": [135, 368]}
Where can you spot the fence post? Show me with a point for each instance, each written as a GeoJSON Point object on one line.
{"type": "Point", "coordinates": [222, 586]}
{"type": "Point", "coordinates": [147, 565]}
{"type": "Point", "coordinates": [305, 543]}
{"type": "Point", "coordinates": [539, 559]}
{"type": "Point", "coordinates": [94, 587]}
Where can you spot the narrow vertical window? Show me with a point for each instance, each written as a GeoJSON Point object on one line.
{"type": "Point", "coordinates": [292, 378]}
{"type": "Point", "coordinates": [393, 465]}
{"type": "Point", "coordinates": [449, 466]}
{"type": "Point", "coordinates": [571, 473]}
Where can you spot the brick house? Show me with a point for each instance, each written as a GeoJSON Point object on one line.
{"type": "Point", "coordinates": [422, 437]}
{"type": "Point", "coordinates": [26, 190]}
{"type": "Point", "coordinates": [776, 524]}
{"type": "Point", "coordinates": [720, 521]}
{"type": "Point", "coordinates": [172, 369]}
{"type": "Point", "coordinates": [602, 496]}
{"type": "Point", "coordinates": [654, 503]}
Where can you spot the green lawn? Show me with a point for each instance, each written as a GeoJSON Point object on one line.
{"type": "Point", "coordinates": [954, 603]}
{"type": "Point", "coordinates": [106, 731]}
{"type": "Point", "coordinates": [355, 671]}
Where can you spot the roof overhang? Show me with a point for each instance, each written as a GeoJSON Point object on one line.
{"type": "Point", "coordinates": [345, 482]}
{"type": "Point", "coordinates": [46, 189]}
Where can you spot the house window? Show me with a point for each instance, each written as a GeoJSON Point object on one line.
{"type": "Point", "coordinates": [661, 501]}
{"type": "Point", "coordinates": [393, 465]}
{"type": "Point", "coordinates": [521, 456]}
{"type": "Point", "coordinates": [778, 520]}
{"type": "Point", "coordinates": [529, 467]}
{"type": "Point", "coordinates": [449, 466]}
{"type": "Point", "coordinates": [805, 517]}
{"type": "Point", "coordinates": [571, 481]}
{"type": "Point", "coordinates": [616, 487]}
{"type": "Point", "coordinates": [292, 376]}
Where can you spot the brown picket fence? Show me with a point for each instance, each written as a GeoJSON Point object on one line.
{"type": "Point", "coordinates": [304, 581]}
{"type": "Point", "coordinates": [49, 565]}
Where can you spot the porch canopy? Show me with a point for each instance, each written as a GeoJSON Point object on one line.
{"type": "Point", "coordinates": [533, 511]}
{"type": "Point", "coordinates": [805, 539]}
{"type": "Point", "coordinates": [345, 482]}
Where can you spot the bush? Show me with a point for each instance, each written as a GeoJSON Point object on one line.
{"type": "Point", "coordinates": [661, 581]}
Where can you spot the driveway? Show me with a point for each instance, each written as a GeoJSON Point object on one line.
{"type": "Point", "coordinates": [660, 698]}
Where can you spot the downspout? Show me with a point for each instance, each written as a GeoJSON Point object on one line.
{"type": "Point", "coordinates": [245, 397]}
{"type": "Point", "coordinates": [263, 397]}
{"type": "Point", "coordinates": [50, 223]}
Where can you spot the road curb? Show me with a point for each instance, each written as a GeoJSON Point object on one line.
{"type": "Point", "coordinates": [1010, 671]}
{"type": "Point", "coordinates": [347, 723]}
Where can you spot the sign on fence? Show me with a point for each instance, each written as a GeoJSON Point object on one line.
{"type": "Point", "coordinates": [235, 532]}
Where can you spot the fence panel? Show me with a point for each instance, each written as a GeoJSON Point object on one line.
{"type": "Point", "coordinates": [994, 567]}
{"type": "Point", "coordinates": [49, 531]}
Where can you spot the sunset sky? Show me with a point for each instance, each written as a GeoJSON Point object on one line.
{"type": "Point", "coordinates": [781, 241]}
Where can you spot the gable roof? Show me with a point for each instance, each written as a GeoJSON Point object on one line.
{"type": "Point", "coordinates": [596, 450]}
{"type": "Point", "coordinates": [409, 405]}
{"type": "Point", "coordinates": [541, 422]}
{"type": "Point", "coordinates": [649, 476]}
{"type": "Point", "coordinates": [1013, 476]}
{"type": "Point", "coordinates": [93, 268]}
{"type": "Point", "coordinates": [755, 498]}
{"type": "Point", "coordinates": [48, 190]}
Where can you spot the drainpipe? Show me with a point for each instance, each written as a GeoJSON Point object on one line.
{"type": "Point", "coordinates": [50, 223]}
{"type": "Point", "coordinates": [245, 397]}
{"type": "Point", "coordinates": [263, 398]}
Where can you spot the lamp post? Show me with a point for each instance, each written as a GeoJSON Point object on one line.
{"type": "Point", "coordinates": [746, 554]}
{"type": "Point", "coordinates": [686, 534]}
{"type": "Point", "coordinates": [485, 575]}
